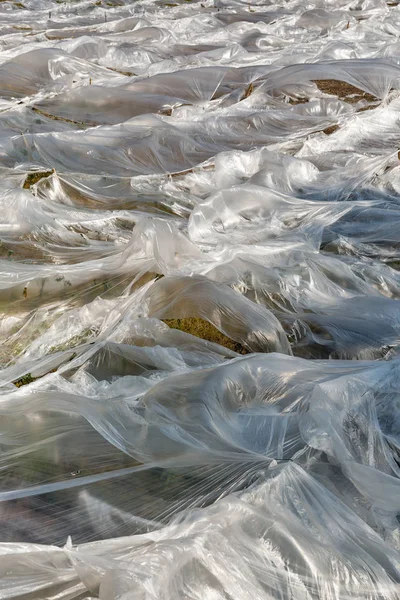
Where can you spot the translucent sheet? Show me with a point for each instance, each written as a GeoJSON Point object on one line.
{"type": "Point", "coordinates": [199, 300]}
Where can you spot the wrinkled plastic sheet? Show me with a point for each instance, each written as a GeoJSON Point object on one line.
{"type": "Point", "coordinates": [223, 162]}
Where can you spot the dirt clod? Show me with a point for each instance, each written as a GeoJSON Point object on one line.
{"type": "Point", "coordinates": [331, 129]}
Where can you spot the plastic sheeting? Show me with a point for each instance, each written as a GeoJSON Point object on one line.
{"type": "Point", "coordinates": [224, 163]}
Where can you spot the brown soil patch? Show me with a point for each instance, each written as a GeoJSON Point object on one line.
{"type": "Point", "coordinates": [64, 119]}
{"type": "Point", "coordinates": [22, 250]}
{"type": "Point", "coordinates": [33, 178]}
{"type": "Point", "coordinates": [344, 91]}
{"type": "Point", "coordinates": [298, 100]}
{"type": "Point", "coordinates": [204, 330]}
{"type": "Point", "coordinates": [331, 129]}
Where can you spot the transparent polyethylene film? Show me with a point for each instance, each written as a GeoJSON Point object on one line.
{"type": "Point", "coordinates": [199, 300]}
